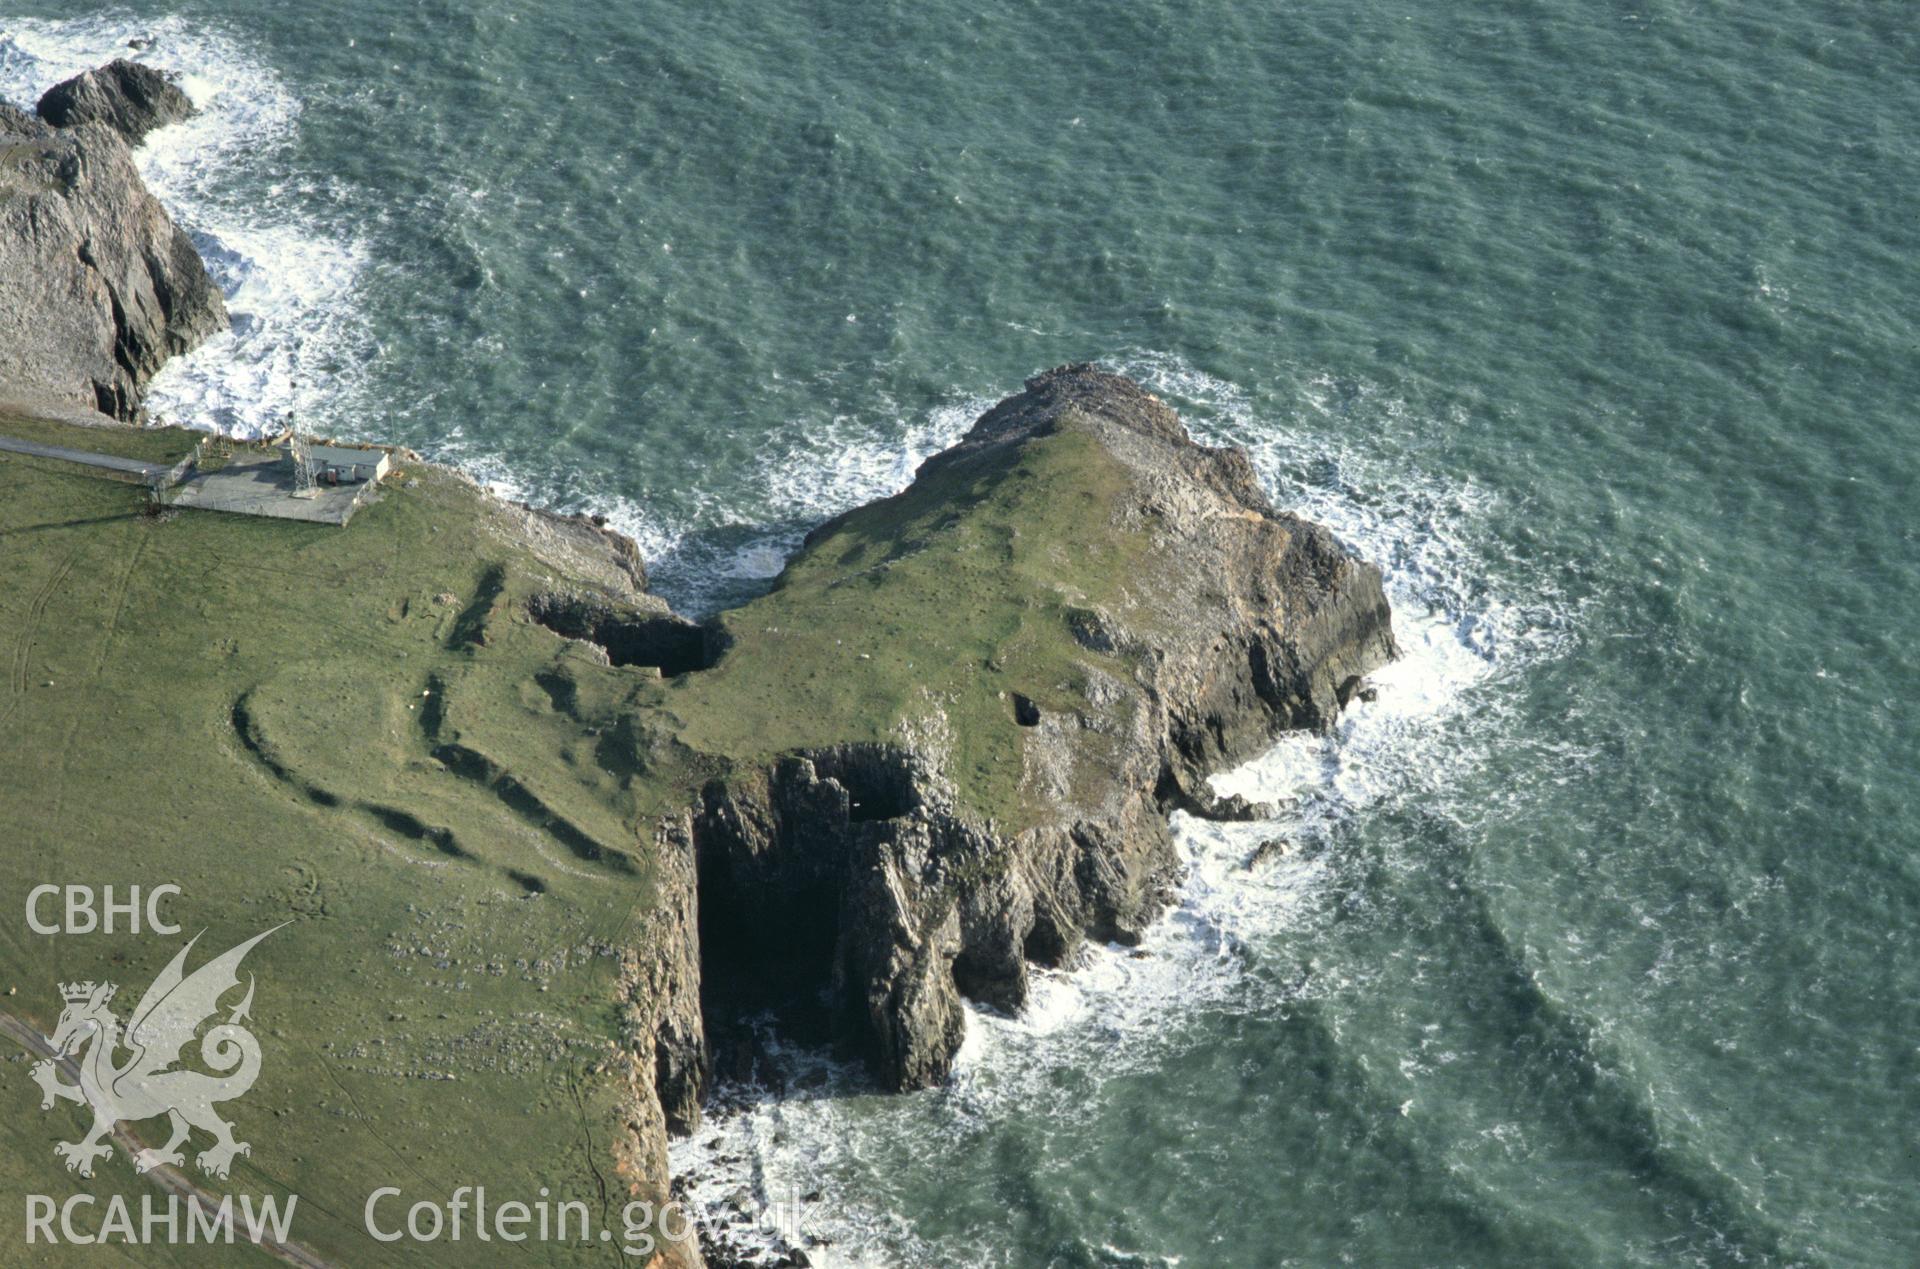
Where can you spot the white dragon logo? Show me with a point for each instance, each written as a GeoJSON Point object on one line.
{"type": "Point", "coordinates": [147, 1083]}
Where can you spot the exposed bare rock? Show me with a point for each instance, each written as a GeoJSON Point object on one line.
{"type": "Point", "coordinates": [98, 286]}
{"type": "Point", "coordinates": [130, 98]}
{"type": "Point", "coordinates": [662, 988]}
{"type": "Point", "coordinates": [1266, 852]}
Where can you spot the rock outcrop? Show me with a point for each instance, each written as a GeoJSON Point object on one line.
{"type": "Point", "coordinates": [1196, 623]}
{"type": "Point", "coordinates": [98, 286]}
{"type": "Point", "coordinates": [130, 98]}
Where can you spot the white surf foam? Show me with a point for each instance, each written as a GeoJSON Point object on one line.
{"type": "Point", "coordinates": [808, 473]}
{"type": "Point", "coordinates": [297, 342]}
{"type": "Point", "coordinates": [1438, 707]}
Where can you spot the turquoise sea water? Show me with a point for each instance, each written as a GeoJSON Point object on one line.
{"type": "Point", "coordinates": [1598, 325]}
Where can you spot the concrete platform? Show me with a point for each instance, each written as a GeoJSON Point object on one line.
{"type": "Point", "coordinates": [262, 485]}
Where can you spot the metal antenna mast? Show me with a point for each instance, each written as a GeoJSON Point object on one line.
{"type": "Point", "coordinates": [302, 454]}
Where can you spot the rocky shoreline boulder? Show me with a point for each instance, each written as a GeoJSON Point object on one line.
{"type": "Point", "coordinates": [130, 98]}
{"type": "Point", "coordinates": [98, 285]}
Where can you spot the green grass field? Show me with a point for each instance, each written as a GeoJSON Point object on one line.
{"type": "Point", "coordinates": [435, 1014]}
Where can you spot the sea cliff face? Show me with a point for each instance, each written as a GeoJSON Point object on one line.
{"type": "Point", "coordinates": [98, 286]}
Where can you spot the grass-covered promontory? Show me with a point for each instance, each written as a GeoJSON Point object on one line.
{"type": "Point", "coordinates": [531, 845]}
{"type": "Point", "coordinates": [489, 781]}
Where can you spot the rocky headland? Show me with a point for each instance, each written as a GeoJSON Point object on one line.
{"type": "Point", "coordinates": [941, 750]}
{"type": "Point", "coordinates": [1068, 620]}
{"type": "Point", "coordinates": [100, 286]}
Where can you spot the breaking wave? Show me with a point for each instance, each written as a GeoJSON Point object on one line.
{"type": "Point", "coordinates": [298, 341]}
{"type": "Point", "coordinates": [728, 549]}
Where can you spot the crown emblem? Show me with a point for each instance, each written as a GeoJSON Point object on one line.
{"type": "Point", "coordinates": [81, 993]}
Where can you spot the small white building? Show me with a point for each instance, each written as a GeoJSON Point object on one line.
{"type": "Point", "coordinates": [340, 465]}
